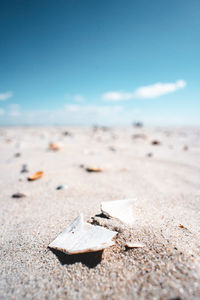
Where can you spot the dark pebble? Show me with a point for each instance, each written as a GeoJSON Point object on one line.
{"type": "Point", "coordinates": [18, 195]}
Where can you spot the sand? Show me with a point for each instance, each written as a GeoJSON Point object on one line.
{"type": "Point", "coordinates": [166, 184]}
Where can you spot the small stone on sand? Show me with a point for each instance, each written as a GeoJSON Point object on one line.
{"type": "Point", "coordinates": [155, 143]}
{"type": "Point", "coordinates": [62, 187]}
{"type": "Point", "coordinates": [24, 169]}
{"type": "Point", "coordinates": [18, 195]}
{"type": "Point", "coordinates": [18, 154]}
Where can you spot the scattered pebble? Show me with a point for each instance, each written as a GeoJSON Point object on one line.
{"type": "Point", "coordinates": [62, 187]}
{"type": "Point", "coordinates": [18, 195]}
{"type": "Point", "coordinates": [18, 154]}
{"type": "Point", "coordinates": [138, 124]}
{"type": "Point", "coordinates": [36, 176]}
{"type": "Point", "coordinates": [156, 142]}
{"type": "Point", "coordinates": [111, 148]}
{"type": "Point", "coordinates": [185, 148]}
{"type": "Point", "coordinates": [24, 169]}
{"type": "Point", "coordinates": [67, 133]}
{"type": "Point", "coordinates": [150, 154]}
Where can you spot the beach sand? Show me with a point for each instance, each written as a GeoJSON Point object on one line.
{"type": "Point", "coordinates": [165, 181]}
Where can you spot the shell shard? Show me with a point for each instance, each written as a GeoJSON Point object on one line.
{"type": "Point", "coordinates": [93, 169]}
{"type": "Point", "coordinates": [134, 245]}
{"type": "Point", "coordinates": [120, 209]}
{"type": "Point", "coordinates": [81, 237]}
{"type": "Point", "coordinates": [54, 147]}
{"type": "Point", "coordinates": [36, 176]}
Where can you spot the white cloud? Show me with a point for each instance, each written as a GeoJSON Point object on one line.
{"type": "Point", "coordinates": [158, 89]}
{"type": "Point", "coordinates": [117, 96]}
{"type": "Point", "coordinates": [78, 98]}
{"type": "Point", "coordinates": [146, 92]}
{"type": "Point", "coordinates": [14, 110]}
{"type": "Point", "coordinates": [5, 96]}
{"type": "Point", "coordinates": [2, 111]}
{"type": "Point", "coordinates": [71, 114]}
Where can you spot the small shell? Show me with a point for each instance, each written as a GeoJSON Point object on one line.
{"type": "Point", "coordinates": [134, 245]}
{"type": "Point", "coordinates": [54, 147]}
{"type": "Point", "coordinates": [93, 169]}
{"type": "Point", "coordinates": [36, 176]}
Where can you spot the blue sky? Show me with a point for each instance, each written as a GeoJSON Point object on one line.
{"type": "Point", "coordinates": [107, 62]}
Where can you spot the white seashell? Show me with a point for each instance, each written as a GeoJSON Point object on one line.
{"type": "Point", "coordinates": [119, 209]}
{"type": "Point", "coordinates": [81, 237]}
{"type": "Point", "coordinates": [134, 245]}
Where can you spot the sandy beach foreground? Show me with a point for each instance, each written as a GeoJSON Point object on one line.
{"type": "Point", "coordinates": [158, 167]}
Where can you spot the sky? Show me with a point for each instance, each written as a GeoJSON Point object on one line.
{"type": "Point", "coordinates": [108, 62]}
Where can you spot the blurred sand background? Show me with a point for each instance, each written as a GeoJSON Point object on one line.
{"type": "Point", "coordinates": [165, 180]}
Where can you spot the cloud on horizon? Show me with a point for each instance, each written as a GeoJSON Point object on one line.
{"type": "Point", "coordinates": [71, 114]}
{"type": "Point", "coordinates": [87, 115]}
{"type": "Point", "coordinates": [145, 92]}
{"type": "Point", "coordinates": [6, 96]}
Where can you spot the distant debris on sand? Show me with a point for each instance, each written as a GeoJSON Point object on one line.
{"type": "Point", "coordinates": [67, 133]}
{"type": "Point", "coordinates": [36, 176]}
{"type": "Point", "coordinates": [140, 136]}
{"type": "Point", "coordinates": [113, 149]}
{"type": "Point", "coordinates": [18, 154]}
{"type": "Point", "coordinates": [138, 124]}
{"type": "Point", "coordinates": [150, 154]}
{"type": "Point", "coordinates": [91, 169]}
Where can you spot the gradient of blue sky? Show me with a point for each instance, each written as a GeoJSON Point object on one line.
{"type": "Point", "coordinates": [51, 51]}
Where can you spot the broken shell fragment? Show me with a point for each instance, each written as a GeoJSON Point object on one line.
{"type": "Point", "coordinates": [134, 245]}
{"type": "Point", "coordinates": [36, 176]}
{"type": "Point", "coordinates": [93, 169]}
{"type": "Point", "coordinates": [82, 237]}
{"type": "Point", "coordinates": [119, 209]}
